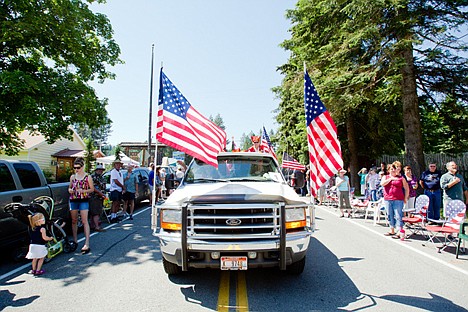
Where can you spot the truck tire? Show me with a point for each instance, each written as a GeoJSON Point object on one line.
{"type": "Point", "coordinates": [171, 268]}
{"type": "Point", "coordinates": [296, 268]}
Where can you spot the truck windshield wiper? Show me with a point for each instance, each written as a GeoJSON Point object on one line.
{"type": "Point", "coordinates": [204, 180]}
{"type": "Point", "coordinates": [252, 179]}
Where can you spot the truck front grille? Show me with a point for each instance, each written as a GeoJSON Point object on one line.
{"type": "Point", "coordinates": [233, 221]}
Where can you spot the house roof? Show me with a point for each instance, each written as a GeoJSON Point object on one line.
{"type": "Point", "coordinates": [69, 153]}
{"type": "Point", "coordinates": [77, 153]}
{"type": "Point", "coordinates": [31, 140]}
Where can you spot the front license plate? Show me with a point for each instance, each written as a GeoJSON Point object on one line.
{"type": "Point", "coordinates": [233, 263]}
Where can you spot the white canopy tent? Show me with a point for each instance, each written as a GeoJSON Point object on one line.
{"type": "Point", "coordinates": [123, 158]}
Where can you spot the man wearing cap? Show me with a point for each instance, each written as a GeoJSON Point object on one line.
{"type": "Point", "coordinates": [97, 198]}
{"type": "Point", "coordinates": [116, 188]}
{"type": "Point", "coordinates": [256, 146]}
{"type": "Point", "coordinates": [131, 190]}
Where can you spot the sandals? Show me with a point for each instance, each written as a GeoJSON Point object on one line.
{"type": "Point", "coordinates": [390, 234]}
{"type": "Point", "coordinates": [84, 251]}
{"type": "Point", "coordinates": [40, 272]}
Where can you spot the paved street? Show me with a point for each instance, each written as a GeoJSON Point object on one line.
{"type": "Point", "coordinates": [350, 266]}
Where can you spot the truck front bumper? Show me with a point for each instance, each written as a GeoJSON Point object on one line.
{"type": "Point", "coordinates": [199, 251]}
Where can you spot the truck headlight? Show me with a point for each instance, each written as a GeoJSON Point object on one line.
{"type": "Point", "coordinates": [295, 218]}
{"type": "Point", "coordinates": [171, 219]}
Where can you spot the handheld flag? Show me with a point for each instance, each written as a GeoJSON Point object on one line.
{"type": "Point", "coordinates": [266, 144]}
{"type": "Point", "coordinates": [183, 128]}
{"type": "Point", "coordinates": [324, 147]}
{"type": "Point", "coordinates": [291, 163]}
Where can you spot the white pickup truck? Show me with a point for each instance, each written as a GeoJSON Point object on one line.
{"type": "Point", "coordinates": [238, 216]}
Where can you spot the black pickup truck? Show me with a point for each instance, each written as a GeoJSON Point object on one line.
{"type": "Point", "coordinates": [23, 181]}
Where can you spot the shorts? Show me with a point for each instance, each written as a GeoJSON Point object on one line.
{"type": "Point", "coordinates": [36, 251]}
{"type": "Point", "coordinates": [95, 206]}
{"type": "Point", "coordinates": [128, 196]}
{"type": "Point", "coordinates": [79, 205]}
{"type": "Point", "coordinates": [115, 195]}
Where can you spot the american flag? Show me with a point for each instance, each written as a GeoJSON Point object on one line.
{"type": "Point", "coordinates": [291, 163]}
{"type": "Point", "coordinates": [324, 147]}
{"type": "Point", "coordinates": [266, 143]}
{"type": "Point", "coordinates": [183, 128]}
{"type": "Point", "coordinates": [455, 213]}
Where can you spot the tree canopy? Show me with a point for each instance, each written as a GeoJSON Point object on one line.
{"type": "Point", "coordinates": [51, 50]}
{"type": "Point", "coordinates": [390, 72]}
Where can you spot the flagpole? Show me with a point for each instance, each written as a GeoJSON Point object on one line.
{"type": "Point", "coordinates": [150, 106]}
{"type": "Point", "coordinates": [154, 210]}
{"type": "Point", "coordinates": [312, 200]}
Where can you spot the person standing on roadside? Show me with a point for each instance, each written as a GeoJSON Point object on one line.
{"type": "Point", "coordinates": [430, 182]}
{"type": "Point", "coordinates": [453, 185]}
{"type": "Point", "coordinates": [131, 191]}
{"type": "Point", "coordinates": [97, 198]}
{"type": "Point", "coordinates": [363, 181]}
{"type": "Point", "coordinates": [343, 187]}
{"type": "Point", "coordinates": [413, 185]}
{"type": "Point", "coordinates": [151, 182]}
{"type": "Point", "coordinates": [396, 194]}
{"type": "Point", "coordinates": [116, 188]}
{"type": "Point", "coordinates": [81, 187]}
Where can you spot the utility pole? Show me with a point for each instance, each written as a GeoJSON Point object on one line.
{"type": "Point", "coordinates": [150, 106]}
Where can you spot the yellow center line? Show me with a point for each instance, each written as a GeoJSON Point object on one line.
{"type": "Point", "coordinates": [223, 296]}
{"type": "Point", "coordinates": [242, 302]}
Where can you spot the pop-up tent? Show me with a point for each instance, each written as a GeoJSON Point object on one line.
{"type": "Point", "coordinates": [123, 158]}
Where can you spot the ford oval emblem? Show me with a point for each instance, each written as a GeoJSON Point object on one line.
{"type": "Point", "coordinates": [233, 222]}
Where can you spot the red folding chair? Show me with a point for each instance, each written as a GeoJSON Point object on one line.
{"type": "Point", "coordinates": [455, 214]}
{"type": "Point", "coordinates": [415, 223]}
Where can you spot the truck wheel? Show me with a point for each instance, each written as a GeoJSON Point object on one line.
{"type": "Point", "coordinates": [296, 268]}
{"type": "Point", "coordinates": [171, 268]}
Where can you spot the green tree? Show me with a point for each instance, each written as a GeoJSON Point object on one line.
{"type": "Point", "coordinates": [98, 135]}
{"type": "Point", "coordinates": [50, 52]}
{"type": "Point", "coordinates": [89, 154]}
{"type": "Point", "coordinates": [372, 63]}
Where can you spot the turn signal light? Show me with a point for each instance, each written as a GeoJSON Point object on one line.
{"type": "Point", "coordinates": [295, 224]}
{"type": "Point", "coordinates": [171, 226]}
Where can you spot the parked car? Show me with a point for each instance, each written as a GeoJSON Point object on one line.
{"type": "Point", "coordinates": [143, 186]}
{"type": "Point", "coordinates": [22, 182]}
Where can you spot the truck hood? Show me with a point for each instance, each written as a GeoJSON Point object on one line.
{"type": "Point", "coordinates": [234, 192]}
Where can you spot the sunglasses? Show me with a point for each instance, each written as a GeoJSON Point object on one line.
{"type": "Point", "coordinates": [76, 168]}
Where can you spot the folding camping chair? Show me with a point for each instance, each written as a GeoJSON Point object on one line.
{"type": "Point", "coordinates": [377, 208]}
{"type": "Point", "coordinates": [416, 221]}
{"type": "Point", "coordinates": [455, 214]}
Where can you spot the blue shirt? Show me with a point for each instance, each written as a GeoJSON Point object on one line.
{"type": "Point", "coordinates": [431, 180]}
{"type": "Point", "coordinates": [343, 186]}
{"type": "Point", "coordinates": [130, 182]}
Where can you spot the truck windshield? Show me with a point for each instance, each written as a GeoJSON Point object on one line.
{"type": "Point", "coordinates": [234, 169]}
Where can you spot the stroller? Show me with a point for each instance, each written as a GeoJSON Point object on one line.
{"type": "Point", "coordinates": [54, 227]}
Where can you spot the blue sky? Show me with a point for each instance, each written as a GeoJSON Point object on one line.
{"type": "Point", "coordinates": [221, 54]}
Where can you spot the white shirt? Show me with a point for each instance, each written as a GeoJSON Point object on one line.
{"type": "Point", "coordinates": [116, 175]}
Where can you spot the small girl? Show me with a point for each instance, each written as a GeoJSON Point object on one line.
{"type": "Point", "coordinates": [37, 248]}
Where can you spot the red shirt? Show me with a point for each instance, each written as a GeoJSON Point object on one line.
{"type": "Point", "coordinates": [394, 189]}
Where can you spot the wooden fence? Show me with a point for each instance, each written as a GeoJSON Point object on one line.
{"type": "Point", "coordinates": [440, 159]}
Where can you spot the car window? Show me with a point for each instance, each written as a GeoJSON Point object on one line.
{"type": "Point", "coordinates": [28, 175]}
{"type": "Point", "coordinates": [6, 180]}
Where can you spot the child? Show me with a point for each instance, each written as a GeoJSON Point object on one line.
{"type": "Point", "coordinates": [37, 248]}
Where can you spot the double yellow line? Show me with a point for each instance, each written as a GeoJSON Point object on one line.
{"type": "Point", "coordinates": [242, 303]}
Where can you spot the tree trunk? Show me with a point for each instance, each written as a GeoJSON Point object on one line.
{"type": "Point", "coordinates": [353, 151]}
{"type": "Point", "coordinates": [411, 119]}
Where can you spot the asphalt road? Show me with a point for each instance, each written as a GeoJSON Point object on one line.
{"type": "Point", "coordinates": [350, 266]}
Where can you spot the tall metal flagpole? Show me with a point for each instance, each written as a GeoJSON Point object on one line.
{"type": "Point", "coordinates": [150, 106]}
{"type": "Point", "coordinates": [312, 200]}
{"type": "Point", "coordinates": [154, 210]}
